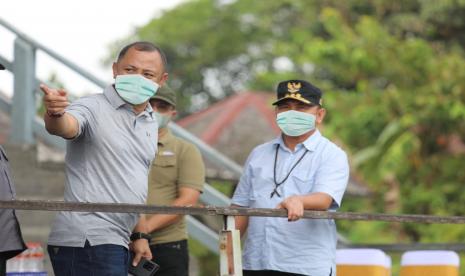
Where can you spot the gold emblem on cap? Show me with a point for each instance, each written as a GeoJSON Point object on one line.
{"type": "Point", "coordinates": [293, 95]}
{"type": "Point", "coordinates": [293, 86]}
{"type": "Point", "coordinates": [296, 96]}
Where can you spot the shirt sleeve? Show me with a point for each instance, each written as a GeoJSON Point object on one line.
{"type": "Point", "coordinates": [243, 190]}
{"type": "Point", "coordinates": [7, 188]}
{"type": "Point", "coordinates": [332, 177]}
{"type": "Point", "coordinates": [191, 168]}
{"type": "Point", "coordinates": [83, 111]}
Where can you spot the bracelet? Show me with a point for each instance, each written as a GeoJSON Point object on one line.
{"type": "Point", "coordinates": [140, 235]}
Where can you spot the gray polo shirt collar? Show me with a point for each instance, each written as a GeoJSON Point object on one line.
{"type": "Point", "coordinates": [115, 100]}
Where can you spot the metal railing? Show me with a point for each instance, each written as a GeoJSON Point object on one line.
{"type": "Point", "coordinates": [239, 211]}
{"type": "Point", "coordinates": [222, 211]}
{"type": "Point", "coordinates": [229, 240]}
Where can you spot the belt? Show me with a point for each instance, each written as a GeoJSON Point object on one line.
{"type": "Point", "coordinates": [176, 244]}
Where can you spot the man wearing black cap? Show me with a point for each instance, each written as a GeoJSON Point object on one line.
{"type": "Point", "coordinates": [176, 178]}
{"type": "Point", "coordinates": [11, 241]}
{"type": "Point", "coordinates": [300, 170]}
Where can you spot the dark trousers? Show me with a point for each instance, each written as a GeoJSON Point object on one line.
{"type": "Point", "coordinates": [2, 266]}
{"type": "Point", "coordinates": [105, 260]}
{"type": "Point", "coordinates": [173, 258]}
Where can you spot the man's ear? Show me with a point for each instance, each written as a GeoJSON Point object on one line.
{"type": "Point", "coordinates": [173, 115]}
{"type": "Point", "coordinates": [113, 67]}
{"type": "Point", "coordinates": [163, 79]}
{"type": "Point", "coordinates": [321, 113]}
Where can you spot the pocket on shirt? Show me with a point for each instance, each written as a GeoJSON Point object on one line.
{"type": "Point", "coordinates": [302, 181]}
{"type": "Point", "coordinates": [163, 171]}
{"type": "Point", "coordinates": [260, 192]}
{"type": "Point", "coordinates": [164, 161]}
{"type": "Point", "coordinates": [261, 187]}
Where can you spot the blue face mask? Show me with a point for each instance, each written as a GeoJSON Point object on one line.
{"type": "Point", "coordinates": [135, 89]}
{"type": "Point", "coordinates": [295, 123]}
{"type": "Point", "coordinates": [162, 119]}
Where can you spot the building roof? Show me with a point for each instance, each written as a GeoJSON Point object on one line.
{"type": "Point", "coordinates": [235, 125]}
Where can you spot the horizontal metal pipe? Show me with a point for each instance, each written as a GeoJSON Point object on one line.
{"type": "Point", "coordinates": [219, 211]}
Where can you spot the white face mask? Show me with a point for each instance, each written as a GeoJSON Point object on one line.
{"type": "Point", "coordinates": [162, 119]}
{"type": "Point", "coordinates": [295, 123]}
{"type": "Point", "coordinates": [135, 89]}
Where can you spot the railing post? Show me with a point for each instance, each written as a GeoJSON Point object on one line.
{"type": "Point", "coordinates": [23, 109]}
{"type": "Point", "coordinates": [230, 249]}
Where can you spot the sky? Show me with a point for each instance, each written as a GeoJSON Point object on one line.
{"type": "Point", "coordinates": [77, 30]}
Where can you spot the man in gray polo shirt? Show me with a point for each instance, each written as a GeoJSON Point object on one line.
{"type": "Point", "coordinates": [112, 138]}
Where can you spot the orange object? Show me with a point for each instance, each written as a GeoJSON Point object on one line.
{"type": "Point", "coordinates": [429, 270]}
{"type": "Point", "coordinates": [358, 270]}
{"type": "Point", "coordinates": [430, 263]}
{"type": "Point", "coordinates": [362, 261]}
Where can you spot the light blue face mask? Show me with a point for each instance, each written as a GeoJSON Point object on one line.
{"type": "Point", "coordinates": [162, 119]}
{"type": "Point", "coordinates": [135, 89]}
{"type": "Point", "coordinates": [295, 123]}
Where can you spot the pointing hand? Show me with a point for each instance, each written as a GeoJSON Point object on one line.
{"type": "Point", "coordinates": [55, 100]}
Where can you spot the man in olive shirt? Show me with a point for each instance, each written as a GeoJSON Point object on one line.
{"type": "Point", "coordinates": [176, 178]}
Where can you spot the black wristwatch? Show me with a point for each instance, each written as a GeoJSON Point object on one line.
{"type": "Point", "coordinates": [140, 235]}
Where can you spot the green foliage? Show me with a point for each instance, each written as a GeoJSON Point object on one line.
{"type": "Point", "coordinates": [208, 261]}
{"type": "Point", "coordinates": [226, 187]}
{"type": "Point", "coordinates": [409, 97]}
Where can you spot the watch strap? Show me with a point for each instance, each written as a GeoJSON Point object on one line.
{"type": "Point", "coordinates": [140, 235]}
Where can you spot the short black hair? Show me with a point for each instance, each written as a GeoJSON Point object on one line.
{"type": "Point", "coordinates": [144, 46]}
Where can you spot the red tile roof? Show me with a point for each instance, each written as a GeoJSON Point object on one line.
{"type": "Point", "coordinates": [225, 113]}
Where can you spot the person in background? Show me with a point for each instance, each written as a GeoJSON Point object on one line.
{"type": "Point", "coordinates": [11, 240]}
{"type": "Point", "coordinates": [176, 178]}
{"type": "Point", "coordinates": [300, 170]}
{"type": "Point", "coordinates": [111, 140]}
